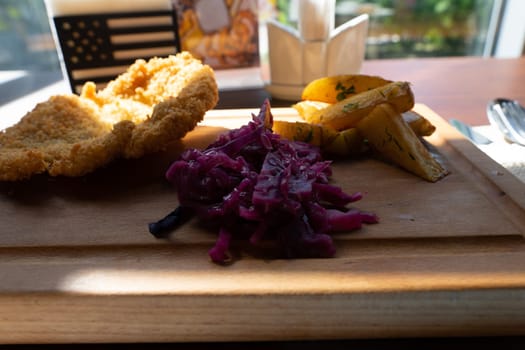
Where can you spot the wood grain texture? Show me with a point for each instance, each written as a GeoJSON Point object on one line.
{"type": "Point", "coordinates": [456, 87]}
{"type": "Point", "coordinates": [78, 264]}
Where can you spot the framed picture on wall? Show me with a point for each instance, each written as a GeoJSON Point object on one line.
{"type": "Point", "coordinates": [222, 33]}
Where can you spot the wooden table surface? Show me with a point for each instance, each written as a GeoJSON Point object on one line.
{"type": "Point", "coordinates": [456, 88]}
{"type": "Point", "coordinates": [460, 87]}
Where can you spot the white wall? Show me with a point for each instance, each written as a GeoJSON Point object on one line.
{"type": "Point", "coordinates": [511, 36]}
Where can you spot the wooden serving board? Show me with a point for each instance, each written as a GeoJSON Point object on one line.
{"type": "Point", "coordinates": [447, 259]}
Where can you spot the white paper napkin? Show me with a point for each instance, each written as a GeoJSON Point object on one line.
{"type": "Point", "coordinates": [509, 155]}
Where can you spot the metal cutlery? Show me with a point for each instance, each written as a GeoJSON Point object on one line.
{"type": "Point", "coordinates": [470, 133]}
{"type": "Point", "coordinates": [509, 117]}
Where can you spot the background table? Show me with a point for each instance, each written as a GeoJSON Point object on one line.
{"type": "Point", "coordinates": [454, 87]}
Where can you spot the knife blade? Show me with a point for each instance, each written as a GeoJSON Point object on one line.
{"type": "Point", "coordinates": [470, 133]}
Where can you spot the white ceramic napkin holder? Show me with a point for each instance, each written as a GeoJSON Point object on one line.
{"type": "Point", "coordinates": [316, 49]}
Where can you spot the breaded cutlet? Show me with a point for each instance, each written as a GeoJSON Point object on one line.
{"type": "Point", "coordinates": [144, 109]}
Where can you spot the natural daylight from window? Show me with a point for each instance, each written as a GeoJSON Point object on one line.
{"type": "Point", "coordinates": [397, 29]}
{"type": "Point", "coordinates": [416, 28]}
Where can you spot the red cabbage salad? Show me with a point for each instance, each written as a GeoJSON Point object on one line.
{"type": "Point", "coordinates": [252, 184]}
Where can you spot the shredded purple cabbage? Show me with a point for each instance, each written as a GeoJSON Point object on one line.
{"type": "Point", "coordinates": [250, 182]}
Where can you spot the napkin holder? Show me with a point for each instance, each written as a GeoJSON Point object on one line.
{"type": "Point", "coordinates": [316, 49]}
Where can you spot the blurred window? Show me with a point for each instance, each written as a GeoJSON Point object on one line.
{"type": "Point", "coordinates": [25, 35]}
{"type": "Point", "coordinates": [28, 58]}
{"type": "Point", "coordinates": [419, 28]}
{"type": "Point", "coordinates": [423, 28]}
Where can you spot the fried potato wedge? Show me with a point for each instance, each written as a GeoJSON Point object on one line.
{"type": "Point", "coordinates": [348, 142]}
{"type": "Point", "coordinates": [339, 87]}
{"type": "Point", "coordinates": [309, 110]}
{"type": "Point", "coordinates": [421, 125]}
{"type": "Point", "coordinates": [341, 143]}
{"type": "Point", "coordinates": [314, 134]}
{"type": "Point", "coordinates": [389, 134]}
{"type": "Point", "coordinates": [347, 113]}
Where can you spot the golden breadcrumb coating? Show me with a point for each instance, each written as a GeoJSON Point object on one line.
{"type": "Point", "coordinates": [144, 109]}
